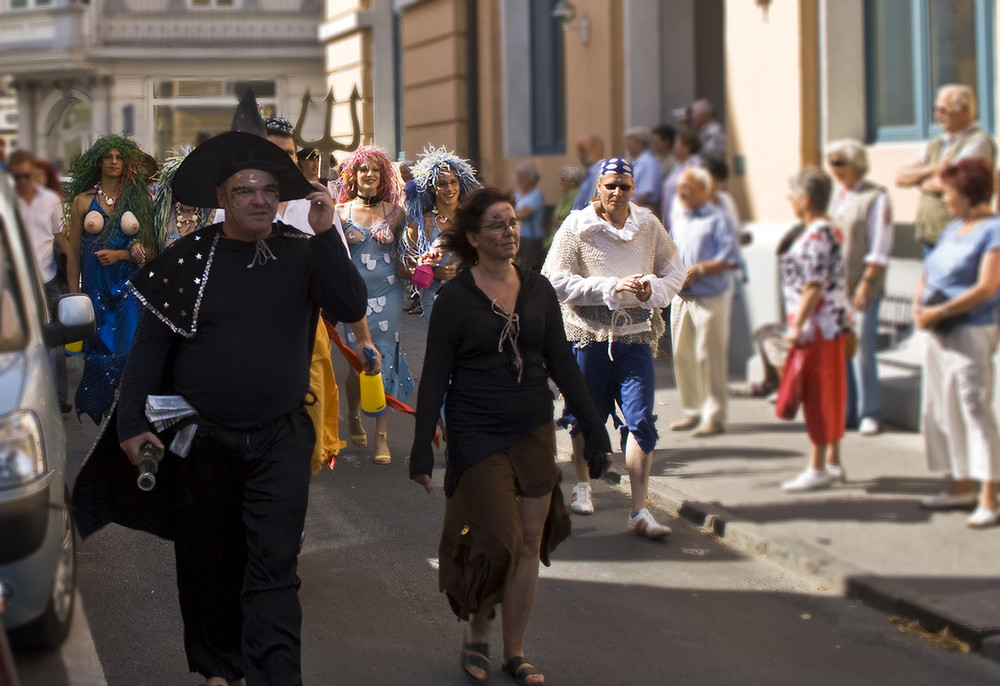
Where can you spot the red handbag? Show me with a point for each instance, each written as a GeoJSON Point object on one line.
{"type": "Point", "coordinates": [790, 389]}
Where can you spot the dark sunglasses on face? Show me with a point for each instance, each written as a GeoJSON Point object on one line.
{"type": "Point", "coordinates": [21, 177]}
{"type": "Point", "coordinates": [837, 163]}
{"type": "Point", "coordinates": [625, 187]}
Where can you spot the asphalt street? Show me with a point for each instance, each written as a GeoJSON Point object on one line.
{"type": "Point", "coordinates": [612, 609]}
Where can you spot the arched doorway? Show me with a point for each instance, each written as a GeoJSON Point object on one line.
{"type": "Point", "coordinates": [67, 129]}
{"type": "Point", "coordinates": [75, 132]}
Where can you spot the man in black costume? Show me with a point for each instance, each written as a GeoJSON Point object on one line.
{"type": "Point", "coordinates": [231, 312]}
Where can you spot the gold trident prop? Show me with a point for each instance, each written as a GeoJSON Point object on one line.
{"type": "Point", "coordinates": [328, 143]}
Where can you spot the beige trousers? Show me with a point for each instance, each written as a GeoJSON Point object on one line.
{"type": "Point", "coordinates": [699, 329]}
{"type": "Point", "coordinates": [959, 421]}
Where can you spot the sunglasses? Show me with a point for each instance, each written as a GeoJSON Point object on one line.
{"type": "Point", "coordinates": [837, 163]}
{"type": "Point", "coordinates": [21, 177]}
{"type": "Point", "coordinates": [625, 187]}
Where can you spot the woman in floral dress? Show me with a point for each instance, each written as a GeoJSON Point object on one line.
{"type": "Point", "coordinates": [372, 217]}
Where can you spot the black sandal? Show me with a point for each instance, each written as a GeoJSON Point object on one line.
{"type": "Point", "coordinates": [520, 669]}
{"type": "Point", "coordinates": [476, 655]}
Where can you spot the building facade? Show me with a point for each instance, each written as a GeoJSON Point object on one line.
{"type": "Point", "coordinates": [505, 81]}
{"type": "Point", "coordinates": [8, 121]}
{"type": "Point", "coordinates": [165, 72]}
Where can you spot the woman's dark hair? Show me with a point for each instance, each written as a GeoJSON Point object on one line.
{"type": "Point", "coordinates": [666, 132]}
{"type": "Point", "coordinates": [469, 219]}
{"type": "Point", "coordinates": [690, 140]}
{"type": "Point", "coordinates": [716, 166]}
{"type": "Point", "coordinates": [971, 177]}
{"type": "Point", "coordinates": [51, 176]}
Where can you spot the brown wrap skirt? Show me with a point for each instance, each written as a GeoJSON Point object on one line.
{"type": "Point", "coordinates": [481, 537]}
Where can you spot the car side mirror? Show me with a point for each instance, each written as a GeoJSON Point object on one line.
{"type": "Point", "coordinates": [73, 319]}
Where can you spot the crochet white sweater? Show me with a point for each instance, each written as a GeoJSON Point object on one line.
{"type": "Point", "coordinates": [588, 256]}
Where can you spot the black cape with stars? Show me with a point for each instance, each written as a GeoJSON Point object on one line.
{"type": "Point", "coordinates": [229, 333]}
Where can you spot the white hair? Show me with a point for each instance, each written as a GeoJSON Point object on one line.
{"type": "Point", "coordinates": [529, 168]}
{"type": "Point", "coordinates": [701, 176]}
{"type": "Point", "coordinates": [853, 151]}
{"type": "Point", "coordinates": [960, 97]}
{"type": "Point", "coordinates": [640, 133]}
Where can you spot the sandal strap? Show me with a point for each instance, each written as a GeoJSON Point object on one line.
{"type": "Point", "coordinates": [481, 649]}
{"type": "Point", "coordinates": [519, 668]}
{"type": "Point", "coordinates": [475, 655]}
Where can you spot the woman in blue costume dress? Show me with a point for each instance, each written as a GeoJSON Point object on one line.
{"type": "Point", "coordinates": [441, 181]}
{"type": "Point", "coordinates": [110, 230]}
{"type": "Point", "coordinates": [372, 218]}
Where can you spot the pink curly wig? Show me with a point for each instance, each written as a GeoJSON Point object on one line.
{"type": "Point", "coordinates": [390, 185]}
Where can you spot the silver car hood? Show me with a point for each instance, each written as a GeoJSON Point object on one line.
{"type": "Point", "coordinates": [12, 370]}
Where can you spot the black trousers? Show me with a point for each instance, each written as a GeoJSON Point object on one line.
{"type": "Point", "coordinates": [243, 508]}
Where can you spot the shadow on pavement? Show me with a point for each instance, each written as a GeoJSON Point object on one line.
{"type": "Point", "coordinates": [916, 485]}
{"type": "Point", "coordinates": [722, 452]}
{"type": "Point", "coordinates": [896, 510]}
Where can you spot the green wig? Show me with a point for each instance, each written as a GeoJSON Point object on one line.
{"type": "Point", "coordinates": [134, 196]}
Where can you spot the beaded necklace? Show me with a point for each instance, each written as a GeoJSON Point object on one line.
{"type": "Point", "coordinates": [109, 201]}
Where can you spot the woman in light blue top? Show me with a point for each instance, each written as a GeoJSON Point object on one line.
{"type": "Point", "coordinates": [956, 304]}
{"type": "Point", "coordinates": [372, 218]}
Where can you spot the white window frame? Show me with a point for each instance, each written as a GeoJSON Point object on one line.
{"type": "Point", "coordinates": [226, 100]}
{"type": "Point", "coordinates": [8, 5]}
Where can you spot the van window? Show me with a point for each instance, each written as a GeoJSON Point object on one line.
{"type": "Point", "coordinates": [12, 333]}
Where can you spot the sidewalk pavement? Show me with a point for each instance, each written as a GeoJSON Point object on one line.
{"type": "Point", "coordinates": [867, 538]}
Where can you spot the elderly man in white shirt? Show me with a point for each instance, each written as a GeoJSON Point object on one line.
{"type": "Point", "coordinates": [42, 213]}
{"type": "Point", "coordinates": [861, 210]}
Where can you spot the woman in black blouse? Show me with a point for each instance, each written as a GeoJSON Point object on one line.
{"type": "Point", "coordinates": [497, 336]}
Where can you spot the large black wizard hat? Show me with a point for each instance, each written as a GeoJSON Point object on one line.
{"type": "Point", "coordinates": [244, 147]}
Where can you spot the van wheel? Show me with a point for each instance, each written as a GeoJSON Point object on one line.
{"type": "Point", "coordinates": [50, 630]}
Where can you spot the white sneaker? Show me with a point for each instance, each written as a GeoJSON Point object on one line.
{"type": "Point", "coordinates": [688, 421]}
{"type": "Point", "coordinates": [869, 427]}
{"type": "Point", "coordinates": [580, 501]}
{"type": "Point", "coordinates": [983, 517]}
{"type": "Point", "coordinates": [807, 480]}
{"type": "Point", "coordinates": [643, 524]}
{"type": "Point", "coordinates": [836, 472]}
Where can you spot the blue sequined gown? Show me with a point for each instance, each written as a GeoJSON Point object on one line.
{"type": "Point", "coordinates": [117, 312]}
{"type": "Point", "coordinates": [377, 266]}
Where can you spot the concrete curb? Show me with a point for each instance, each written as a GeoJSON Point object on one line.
{"type": "Point", "coordinates": [839, 575]}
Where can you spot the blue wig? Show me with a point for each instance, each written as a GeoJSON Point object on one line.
{"type": "Point", "coordinates": [429, 164]}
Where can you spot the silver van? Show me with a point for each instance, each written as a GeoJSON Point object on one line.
{"type": "Point", "coordinates": [37, 547]}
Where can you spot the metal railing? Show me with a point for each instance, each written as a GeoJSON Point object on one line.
{"type": "Point", "coordinates": [895, 321]}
